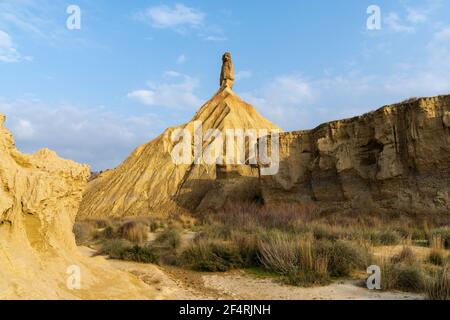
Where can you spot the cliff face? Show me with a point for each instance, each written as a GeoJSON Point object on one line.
{"type": "Point", "coordinates": [395, 159]}
{"type": "Point", "coordinates": [150, 182]}
{"type": "Point", "coordinates": [39, 199]}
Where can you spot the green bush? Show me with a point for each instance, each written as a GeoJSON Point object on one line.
{"type": "Point", "coordinates": [402, 277]}
{"type": "Point", "coordinates": [410, 278]}
{"type": "Point", "coordinates": [436, 257]}
{"type": "Point", "coordinates": [145, 254]}
{"type": "Point", "coordinates": [345, 257]}
{"type": "Point", "coordinates": [124, 250]}
{"type": "Point", "coordinates": [114, 248]}
{"type": "Point", "coordinates": [170, 238]}
{"type": "Point", "coordinates": [211, 256]}
{"type": "Point", "coordinates": [386, 237]}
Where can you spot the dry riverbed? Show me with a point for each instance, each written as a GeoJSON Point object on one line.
{"type": "Point", "coordinates": [180, 284]}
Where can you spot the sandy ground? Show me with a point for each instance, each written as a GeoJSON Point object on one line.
{"type": "Point", "coordinates": [180, 284]}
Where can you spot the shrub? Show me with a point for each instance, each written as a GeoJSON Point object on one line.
{"type": "Point", "coordinates": [386, 237]}
{"type": "Point", "coordinates": [438, 287]}
{"type": "Point", "coordinates": [440, 238]}
{"type": "Point", "coordinates": [294, 259]}
{"type": "Point", "coordinates": [83, 231]}
{"type": "Point", "coordinates": [343, 257]}
{"type": "Point", "coordinates": [436, 257]}
{"type": "Point", "coordinates": [133, 231]}
{"type": "Point", "coordinates": [402, 277]}
{"type": "Point", "coordinates": [102, 223]}
{"type": "Point", "coordinates": [125, 250]}
{"type": "Point", "coordinates": [211, 255]}
{"type": "Point", "coordinates": [410, 278]}
{"type": "Point", "coordinates": [280, 253]}
{"type": "Point", "coordinates": [247, 246]}
{"type": "Point", "coordinates": [406, 256]}
{"type": "Point", "coordinates": [170, 238]}
{"type": "Point", "coordinates": [145, 254]}
{"type": "Point", "coordinates": [108, 232]}
{"type": "Point", "coordinates": [114, 248]}
{"type": "Point", "coordinates": [154, 226]}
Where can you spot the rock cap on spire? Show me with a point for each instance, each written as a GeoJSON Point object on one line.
{"type": "Point", "coordinates": [227, 73]}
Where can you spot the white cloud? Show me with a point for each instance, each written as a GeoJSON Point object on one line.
{"type": "Point", "coordinates": [284, 99]}
{"type": "Point", "coordinates": [24, 129]}
{"type": "Point", "coordinates": [181, 58]}
{"type": "Point", "coordinates": [173, 95]}
{"type": "Point", "coordinates": [144, 96]}
{"type": "Point", "coordinates": [395, 23]}
{"type": "Point", "coordinates": [242, 75]}
{"type": "Point", "coordinates": [295, 103]}
{"type": "Point", "coordinates": [215, 38]}
{"type": "Point", "coordinates": [95, 136]}
{"type": "Point", "coordinates": [8, 52]}
{"type": "Point", "coordinates": [175, 17]}
{"type": "Point", "coordinates": [416, 16]}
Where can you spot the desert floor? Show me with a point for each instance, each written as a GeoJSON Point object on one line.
{"type": "Point", "coordinates": [181, 284]}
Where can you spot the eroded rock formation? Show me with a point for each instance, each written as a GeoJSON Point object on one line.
{"type": "Point", "coordinates": [39, 199]}
{"type": "Point", "coordinates": [227, 73]}
{"type": "Point", "coordinates": [149, 182]}
{"type": "Point", "coordinates": [393, 160]}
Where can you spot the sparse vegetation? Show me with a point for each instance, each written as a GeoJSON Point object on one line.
{"type": "Point", "coordinates": [296, 244]}
{"type": "Point", "coordinates": [436, 257]}
{"type": "Point", "coordinates": [405, 256]}
{"type": "Point", "coordinates": [211, 256]}
{"type": "Point", "coordinates": [170, 237]}
{"type": "Point", "coordinates": [133, 231]}
{"type": "Point", "coordinates": [399, 276]}
{"type": "Point", "coordinates": [438, 287]}
{"type": "Point", "coordinates": [84, 232]}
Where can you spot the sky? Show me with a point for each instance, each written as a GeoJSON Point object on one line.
{"type": "Point", "coordinates": [134, 68]}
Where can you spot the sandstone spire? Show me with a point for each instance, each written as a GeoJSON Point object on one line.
{"type": "Point", "coordinates": [227, 73]}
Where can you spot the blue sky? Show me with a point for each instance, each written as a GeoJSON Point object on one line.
{"type": "Point", "coordinates": [137, 67]}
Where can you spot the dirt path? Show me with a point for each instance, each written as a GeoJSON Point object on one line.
{"type": "Point", "coordinates": [182, 284]}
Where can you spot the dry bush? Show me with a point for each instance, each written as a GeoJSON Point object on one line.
{"type": "Point", "coordinates": [436, 257]}
{"type": "Point", "coordinates": [211, 255]}
{"type": "Point", "coordinates": [280, 253]}
{"type": "Point", "coordinates": [84, 232]}
{"type": "Point", "coordinates": [114, 248]}
{"type": "Point", "coordinates": [440, 238]}
{"type": "Point", "coordinates": [133, 231]}
{"type": "Point", "coordinates": [170, 237]}
{"type": "Point", "coordinates": [438, 287]}
{"type": "Point", "coordinates": [408, 278]}
{"type": "Point", "coordinates": [125, 250]}
{"type": "Point", "coordinates": [295, 259]}
{"type": "Point", "coordinates": [406, 255]}
{"type": "Point", "coordinates": [242, 215]}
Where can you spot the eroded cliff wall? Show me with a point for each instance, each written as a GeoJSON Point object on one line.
{"type": "Point", "coordinates": [39, 199]}
{"type": "Point", "coordinates": [395, 159]}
